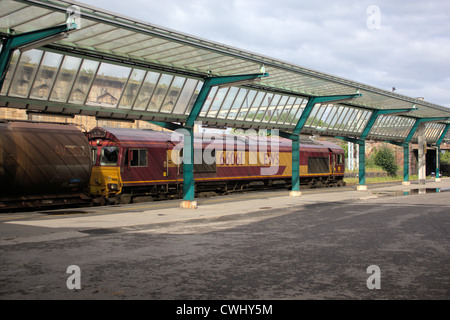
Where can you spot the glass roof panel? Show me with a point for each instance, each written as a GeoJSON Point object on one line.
{"type": "Point", "coordinates": [11, 71]}
{"type": "Point", "coordinates": [264, 107]}
{"type": "Point", "coordinates": [146, 91]}
{"type": "Point", "coordinates": [228, 102]}
{"type": "Point", "coordinates": [107, 87]}
{"type": "Point", "coordinates": [173, 94]}
{"type": "Point", "coordinates": [19, 17]}
{"type": "Point", "coordinates": [25, 73]}
{"type": "Point", "coordinates": [185, 96]}
{"type": "Point", "coordinates": [46, 75]}
{"type": "Point", "coordinates": [299, 112]}
{"type": "Point", "coordinates": [238, 101]}
{"type": "Point", "coordinates": [245, 107]}
{"type": "Point", "coordinates": [160, 92]}
{"type": "Point", "coordinates": [83, 82]}
{"type": "Point", "coordinates": [255, 106]}
{"type": "Point", "coordinates": [65, 79]}
{"type": "Point", "coordinates": [132, 88]}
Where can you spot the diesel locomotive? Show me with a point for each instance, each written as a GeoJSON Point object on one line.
{"type": "Point", "coordinates": [129, 163]}
{"type": "Point", "coordinates": [44, 164]}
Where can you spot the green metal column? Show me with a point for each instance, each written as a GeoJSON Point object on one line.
{"type": "Point", "coordinates": [438, 162]}
{"type": "Point", "coordinates": [362, 163]}
{"type": "Point", "coordinates": [296, 164]}
{"type": "Point", "coordinates": [188, 165]}
{"type": "Point", "coordinates": [406, 164]}
{"type": "Point", "coordinates": [438, 145]}
{"type": "Point", "coordinates": [16, 41]}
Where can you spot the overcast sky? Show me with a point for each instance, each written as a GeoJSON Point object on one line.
{"type": "Point", "coordinates": [393, 43]}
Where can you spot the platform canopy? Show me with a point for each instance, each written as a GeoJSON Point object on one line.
{"type": "Point", "coordinates": [118, 68]}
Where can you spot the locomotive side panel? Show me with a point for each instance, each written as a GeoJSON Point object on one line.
{"type": "Point", "coordinates": [144, 165]}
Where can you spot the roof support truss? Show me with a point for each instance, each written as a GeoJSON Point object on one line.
{"type": "Point", "coordinates": [361, 141]}
{"type": "Point", "coordinates": [298, 128]}
{"type": "Point", "coordinates": [188, 132]}
{"type": "Point", "coordinates": [218, 81]}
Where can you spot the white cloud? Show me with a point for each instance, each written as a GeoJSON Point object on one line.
{"type": "Point", "coordinates": [409, 51]}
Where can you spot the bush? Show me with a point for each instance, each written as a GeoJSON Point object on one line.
{"type": "Point", "coordinates": [385, 158]}
{"type": "Point", "coordinates": [445, 158]}
{"type": "Point", "coordinates": [370, 161]}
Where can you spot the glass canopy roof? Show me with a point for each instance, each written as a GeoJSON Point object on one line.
{"type": "Point", "coordinates": [116, 67]}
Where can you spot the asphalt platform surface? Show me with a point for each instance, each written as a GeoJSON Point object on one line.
{"type": "Point", "coordinates": [389, 242]}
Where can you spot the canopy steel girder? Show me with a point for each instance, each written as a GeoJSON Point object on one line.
{"type": "Point", "coordinates": [418, 122]}
{"type": "Point", "coordinates": [361, 141]}
{"type": "Point", "coordinates": [16, 41]}
{"type": "Point", "coordinates": [441, 138]}
{"type": "Point", "coordinates": [217, 81]}
{"type": "Point", "coordinates": [405, 144]}
{"type": "Point", "coordinates": [294, 136]}
{"type": "Point", "coordinates": [187, 128]}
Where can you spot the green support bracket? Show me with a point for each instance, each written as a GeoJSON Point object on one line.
{"type": "Point", "coordinates": [320, 99]}
{"type": "Point", "coordinates": [188, 147]}
{"type": "Point", "coordinates": [167, 125]}
{"type": "Point", "coordinates": [418, 122]}
{"type": "Point", "coordinates": [444, 133]}
{"type": "Point", "coordinates": [218, 81]}
{"type": "Point", "coordinates": [16, 41]}
{"type": "Point", "coordinates": [286, 135]}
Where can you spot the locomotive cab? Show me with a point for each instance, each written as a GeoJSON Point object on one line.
{"type": "Point", "coordinates": [105, 178]}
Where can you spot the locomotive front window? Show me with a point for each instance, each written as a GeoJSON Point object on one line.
{"type": "Point", "coordinates": [109, 156]}
{"type": "Point", "coordinates": [340, 159]}
{"type": "Point", "coordinates": [94, 155]}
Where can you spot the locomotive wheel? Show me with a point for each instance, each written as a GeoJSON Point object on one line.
{"type": "Point", "coordinates": [124, 198]}
{"type": "Point", "coordinates": [99, 201]}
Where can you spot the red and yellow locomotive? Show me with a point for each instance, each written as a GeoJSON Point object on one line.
{"type": "Point", "coordinates": [130, 162]}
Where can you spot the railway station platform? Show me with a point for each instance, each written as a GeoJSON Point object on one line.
{"type": "Point", "coordinates": [49, 225]}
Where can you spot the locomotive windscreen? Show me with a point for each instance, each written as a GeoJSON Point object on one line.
{"type": "Point", "coordinates": [318, 165]}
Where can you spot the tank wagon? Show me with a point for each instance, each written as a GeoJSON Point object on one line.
{"type": "Point", "coordinates": [42, 164]}
{"type": "Point", "coordinates": [130, 163]}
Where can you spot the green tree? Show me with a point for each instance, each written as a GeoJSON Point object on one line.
{"type": "Point", "coordinates": [445, 158]}
{"type": "Point", "coordinates": [385, 158]}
